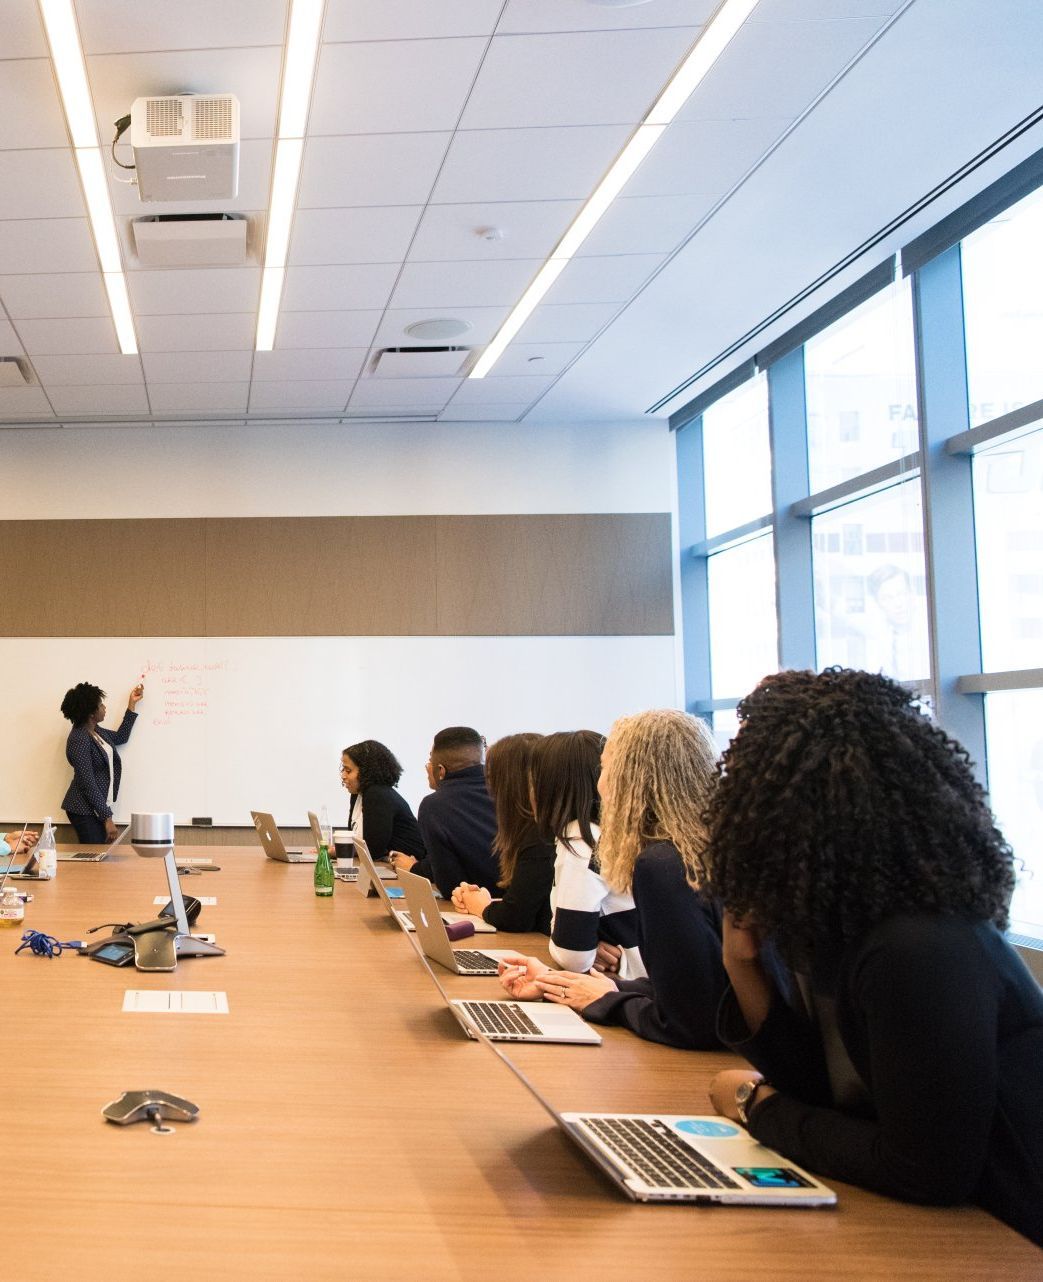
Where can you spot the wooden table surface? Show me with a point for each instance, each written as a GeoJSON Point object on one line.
{"type": "Point", "coordinates": [348, 1129]}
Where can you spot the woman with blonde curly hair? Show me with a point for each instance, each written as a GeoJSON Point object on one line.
{"type": "Point", "coordinates": [657, 772]}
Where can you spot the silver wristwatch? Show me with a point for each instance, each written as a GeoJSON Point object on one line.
{"type": "Point", "coordinates": [745, 1097]}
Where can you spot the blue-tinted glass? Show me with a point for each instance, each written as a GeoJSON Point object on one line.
{"type": "Point", "coordinates": [1014, 728]}
{"type": "Point", "coordinates": [860, 384]}
{"type": "Point", "coordinates": [737, 457]}
{"type": "Point", "coordinates": [1003, 310]}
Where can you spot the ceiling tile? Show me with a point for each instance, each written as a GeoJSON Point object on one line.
{"type": "Point", "coordinates": [585, 78]}
{"type": "Point", "coordinates": [99, 400]}
{"type": "Point", "coordinates": [190, 398]}
{"type": "Point", "coordinates": [326, 329]}
{"type": "Point", "coordinates": [180, 292]}
{"type": "Point", "coordinates": [610, 279]}
{"type": "Point", "coordinates": [255, 159]}
{"type": "Point", "coordinates": [357, 287]}
{"type": "Point", "coordinates": [535, 359]}
{"type": "Point", "coordinates": [370, 169]}
{"type": "Point", "coordinates": [373, 393]}
{"type": "Point", "coordinates": [485, 321]}
{"type": "Point", "coordinates": [9, 344]}
{"type": "Point", "coordinates": [530, 229]}
{"type": "Point", "coordinates": [705, 157]}
{"type": "Point", "coordinates": [645, 224]}
{"type": "Point", "coordinates": [568, 323]}
{"type": "Point", "coordinates": [811, 10]}
{"type": "Point", "coordinates": [23, 402]}
{"type": "Point", "coordinates": [397, 19]}
{"type": "Point", "coordinates": [127, 26]}
{"type": "Point", "coordinates": [23, 30]}
{"type": "Point", "coordinates": [377, 235]}
{"type": "Point", "coordinates": [394, 86]}
{"type": "Point", "coordinates": [495, 390]}
{"type": "Point", "coordinates": [253, 75]}
{"type": "Point", "coordinates": [581, 15]}
{"type": "Point", "coordinates": [448, 285]}
{"type": "Point", "coordinates": [320, 395]}
{"type": "Point", "coordinates": [324, 363]}
{"type": "Point", "coordinates": [53, 295]}
{"type": "Point", "coordinates": [39, 184]}
{"type": "Point", "coordinates": [790, 63]}
{"type": "Point", "coordinates": [229, 332]}
{"type": "Point", "coordinates": [50, 245]}
{"type": "Point", "coordinates": [30, 110]}
{"type": "Point", "coordinates": [197, 367]}
{"type": "Point", "coordinates": [528, 164]}
{"type": "Point", "coordinates": [68, 337]}
{"type": "Point", "coordinates": [83, 371]}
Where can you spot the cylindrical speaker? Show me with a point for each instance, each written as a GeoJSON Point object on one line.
{"type": "Point", "coordinates": [152, 835]}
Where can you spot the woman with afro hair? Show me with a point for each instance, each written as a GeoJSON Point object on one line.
{"type": "Point", "coordinates": [849, 832]}
{"type": "Point", "coordinates": [379, 814]}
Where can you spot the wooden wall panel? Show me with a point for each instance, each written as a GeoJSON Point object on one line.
{"type": "Point", "coordinates": [320, 576]}
{"type": "Point", "coordinates": [134, 578]}
{"type": "Point", "coordinates": [550, 575]}
{"type": "Point", "coordinates": [569, 575]}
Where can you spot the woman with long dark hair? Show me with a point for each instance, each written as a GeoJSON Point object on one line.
{"type": "Point", "coordinates": [378, 813]}
{"type": "Point", "coordinates": [849, 831]}
{"type": "Point", "coordinates": [526, 861]}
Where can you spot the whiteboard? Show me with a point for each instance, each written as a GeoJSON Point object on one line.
{"type": "Point", "coordinates": [230, 725]}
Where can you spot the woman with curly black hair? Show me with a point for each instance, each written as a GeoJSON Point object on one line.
{"type": "Point", "coordinates": [849, 830]}
{"type": "Point", "coordinates": [91, 751]}
{"type": "Point", "coordinates": [379, 814]}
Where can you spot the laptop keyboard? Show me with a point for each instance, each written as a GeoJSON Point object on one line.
{"type": "Point", "coordinates": [471, 959]}
{"type": "Point", "coordinates": [656, 1155]}
{"type": "Point", "coordinates": [502, 1019]}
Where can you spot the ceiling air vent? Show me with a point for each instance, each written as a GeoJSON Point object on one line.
{"type": "Point", "coordinates": [420, 362]}
{"type": "Point", "coordinates": [190, 240]}
{"type": "Point", "coordinates": [11, 372]}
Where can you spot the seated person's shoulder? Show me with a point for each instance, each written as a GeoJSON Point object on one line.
{"type": "Point", "coordinates": [659, 862]}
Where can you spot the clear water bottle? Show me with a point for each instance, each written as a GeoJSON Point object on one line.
{"type": "Point", "coordinates": [12, 908]}
{"type": "Point", "coordinates": [47, 865]}
{"type": "Point", "coordinates": [326, 829]}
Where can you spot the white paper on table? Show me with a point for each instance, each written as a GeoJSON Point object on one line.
{"type": "Point", "coordinates": [207, 901]}
{"type": "Point", "coordinates": [175, 1002]}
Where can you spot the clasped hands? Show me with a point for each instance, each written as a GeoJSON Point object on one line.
{"type": "Point", "coordinates": [529, 979]}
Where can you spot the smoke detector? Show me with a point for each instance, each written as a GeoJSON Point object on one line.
{"type": "Point", "coordinates": [186, 146]}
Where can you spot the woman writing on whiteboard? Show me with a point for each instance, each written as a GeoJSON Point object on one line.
{"type": "Point", "coordinates": [91, 751]}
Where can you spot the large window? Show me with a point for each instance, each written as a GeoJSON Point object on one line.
{"type": "Point", "coordinates": [871, 498]}
{"type": "Point", "coordinates": [870, 586]}
{"type": "Point", "coordinates": [861, 389]}
{"type": "Point", "coordinates": [1003, 309]}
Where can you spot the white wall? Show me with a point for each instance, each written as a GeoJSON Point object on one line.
{"type": "Point", "coordinates": [321, 469]}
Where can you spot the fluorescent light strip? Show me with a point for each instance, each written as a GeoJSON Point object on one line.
{"type": "Point", "coordinates": [708, 48]}
{"type": "Point", "coordinates": [302, 45]}
{"type": "Point", "coordinates": [67, 57]}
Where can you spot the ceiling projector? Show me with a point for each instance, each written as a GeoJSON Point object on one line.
{"type": "Point", "coordinates": [186, 146]}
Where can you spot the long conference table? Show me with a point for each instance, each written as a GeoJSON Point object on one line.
{"type": "Point", "coordinates": [349, 1129]}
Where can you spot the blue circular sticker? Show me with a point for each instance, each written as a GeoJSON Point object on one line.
{"type": "Point", "coordinates": [696, 1126]}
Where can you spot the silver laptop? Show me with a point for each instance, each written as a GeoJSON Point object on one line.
{"type": "Point", "coordinates": [510, 1021]}
{"type": "Point", "coordinates": [665, 1157]}
{"type": "Point", "coordinates": [13, 872]}
{"type": "Point", "coordinates": [433, 938]}
{"type": "Point", "coordinates": [87, 857]}
{"type": "Point", "coordinates": [273, 844]}
{"type": "Point", "coordinates": [370, 882]}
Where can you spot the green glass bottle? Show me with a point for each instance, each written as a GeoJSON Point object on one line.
{"type": "Point", "coordinates": [323, 873]}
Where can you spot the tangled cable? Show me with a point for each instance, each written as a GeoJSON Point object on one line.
{"type": "Point", "coordinates": [44, 945]}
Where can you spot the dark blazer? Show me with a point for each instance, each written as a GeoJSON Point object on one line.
{"type": "Point", "coordinates": [458, 825]}
{"type": "Point", "coordinates": [89, 790]}
{"type": "Point", "coordinates": [944, 1025]}
{"type": "Point", "coordinates": [388, 823]}
{"type": "Point", "coordinates": [679, 934]}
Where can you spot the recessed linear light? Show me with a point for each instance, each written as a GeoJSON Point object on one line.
{"type": "Point", "coordinates": [704, 53]}
{"type": "Point", "coordinates": [302, 47]}
{"type": "Point", "coordinates": [67, 56]}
